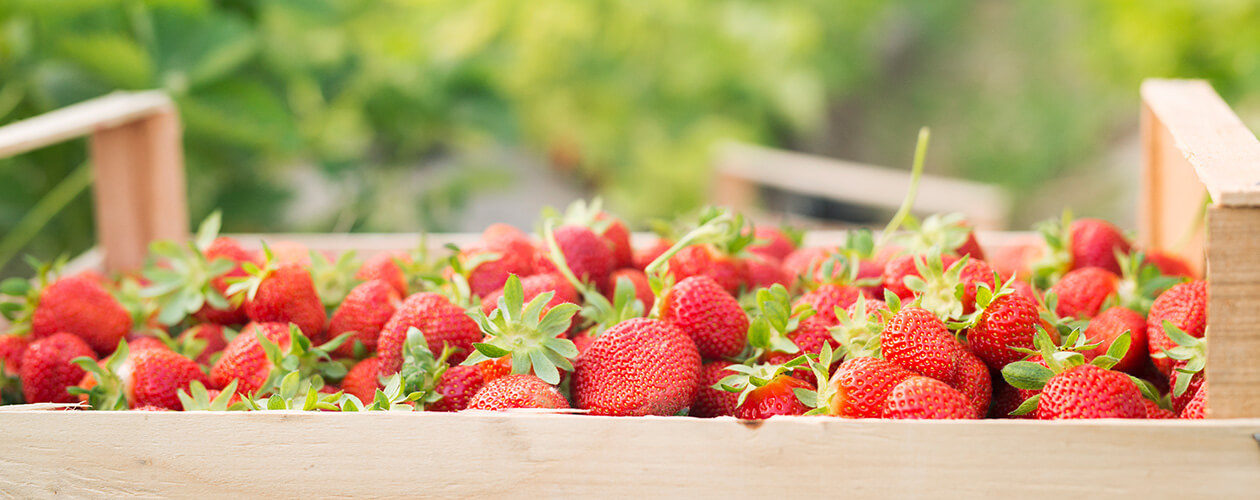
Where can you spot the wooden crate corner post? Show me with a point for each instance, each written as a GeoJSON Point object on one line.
{"type": "Point", "coordinates": [1191, 138]}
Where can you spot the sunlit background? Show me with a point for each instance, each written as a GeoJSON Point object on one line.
{"type": "Point", "coordinates": [445, 115]}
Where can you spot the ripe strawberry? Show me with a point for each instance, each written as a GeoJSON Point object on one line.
{"type": "Point", "coordinates": [227, 248]}
{"type": "Point", "coordinates": [927, 398]}
{"type": "Point", "coordinates": [80, 306]}
{"type": "Point", "coordinates": [1082, 292]}
{"type": "Point", "coordinates": [772, 242]}
{"type": "Point", "coordinates": [488, 269]}
{"type": "Point", "coordinates": [364, 312]}
{"type": "Point", "coordinates": [517, 391]}
{"type": "Point", "coordinates": [281, 293]}
{"type": "Point", "coordinates": [387, 267]}
{"type": "Point", "coordinates": [1170, 264]}
{"type": "Point", "coordinates": [457, 387]}
{"type": "Point", "coordinates": [805, 261]}
{"type": "Point", "coordinates": [861, 386]}
{"type": "Point", "coordinates": [442, 323]}
{"type": "Point", "coordinates": [143, 343]}
{"type": "Point", "coordinates": [642, 290]}
{"type": "Point", "coordinates": [705, 260]}
{"type": "Point", "coordinates": [588, 256]}
{"type": "Point", "coordinates": [1155, 411]}
{"type": "Point", "coordinates": [363, 379]}
{"type": "Point", "coordinates": [776, 397]}
{"type": "Point", "coordinates": [1108, 325]}
{"type": "Point", "coordinates": [500, 236]}
{"type": "Point", "coordinates": [1088, 391]}
{"type": "Point", "coordinates": [712, 402]}
{"type": "Point", "coordinates": [533, 286]}
{"type": "Point", "coordinates": [972, 379]}
{"type": "Point", "coordinates": [618, 238]}
{"type": "Point", "coordinates": [12, 347]}
{"type": "Point", "coordinates": [1185, 306]}
{"type": "Point", "coordinates": [291, 252]}
{"type": "Point", "coordinates": [1196, 408]}
{"type": "Point", "coordinates": [1010, 320]}
{"type": "Point", "coordinates": [1095, 243]}
{"type": "Point", "coordinates": [1016, 259]}
{"type": "Point", "coordinates": [244, 359]}
{"type": "Point", "coordinates": [211, 335]}
{"type": "Point", "coordinates": [47, 371]}
{"type": "Point", "coordinates": [860, 327]}
{"type": "Point", "coordinates": [1180, 401]}
{"type": "Point", "coordinates": [826, 298]}
{"type": "Point", "coordinates": [918, 341]}
{"type": "Point", "coordinates": [644, 256]}
{"type": "Point", "coordinates": [528, 337]}
{"type": "Point", "coordinates": [639, 367]}
{"type": "Point", "coordinates": [764, 273]}
{"type": "Point", "coordinates": [713, 319]}
{"type": "Point", "coordinates": [142, 377]}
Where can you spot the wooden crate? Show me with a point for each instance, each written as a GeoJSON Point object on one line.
{"type": "Point", "coordinates": [1192, 140]}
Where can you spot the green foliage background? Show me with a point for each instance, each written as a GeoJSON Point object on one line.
{"type": "Point", "coordinates": [628, 97]}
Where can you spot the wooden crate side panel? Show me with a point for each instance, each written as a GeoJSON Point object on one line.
{"type": "Point", "coordinates": [1171, 195]}
{"type": "Point", "coordinates": [465, 455]}
{"type": "Point", "coordinates": [1234, 311]}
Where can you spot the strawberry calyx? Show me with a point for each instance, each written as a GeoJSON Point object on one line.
{"type": "Point", "coordinates": [602, 314]}
{"type": "Point", "coordinates": [937, 288]}
{"type": "Point", "coordinates": [19, 297]}
{"type": "Point", "coordinates": [1033, 376]}
{"type": "Point", "coordinates": [197, 398]}
{"type": "Point", "coordinates": [860, 334]}
{"type": "Point", "coordinates": [392, 397]}
{"type": "Point", "coordinates": [986, 295]}
{"type": "Point", "coordinates": [294, 392]}
{"type": "Point", "coordinates": [109, 393]}
{"type": "Point", "coordinates": [419, 377]}
{"type": "Point", "coordinates": [307, 363]}
{"type": "Point", "coordinates": [241, 289]}
{"type": "Point", "coordinates": [935, 234]}
{"type": "Point", "coordinates": [534, 340]}
{"type": "Point", "coordinates": [1057, 261]}
{"type": "Point", "coordinates": [1191, 354]}
{"type": "Point", "coordinates": [819, 399]}
{"type": "Point", "coordinates": [581, 213]}
{"type": "Point", "coordinates": [773, 318]}
{"type": "Point", "coordinates": [334, 279]}
{"type": "Point", "coordinates": [727, 232]}
{"type": "Point", "coordinates": [1140, 282]}
{"type": "Point", "coordinates": [181, 281]}
{"type": "Point", "coordinates": [749, 377]}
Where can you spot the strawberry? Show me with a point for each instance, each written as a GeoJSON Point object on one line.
{"type": "Point", "coordinates": [644, 256]}
{"type": "Point", "coordinates": [517, 391]}
{"type": "Point", "coordinates": [905, 267]}
{"type": "Point", "coordinates": [637, 278]}
{"type": "Point", "coordinates": [773, 242]}
{"type": "Point", "coordinates": [244, 360]}
{"type": "Point", "coordinates": [1088, 391]}
{"type": "Point", "coordinates": [363, 379]}
{"type": "Point", "coordinates": [972, 379]}
{"type": "Point", "coordinates": [531, 335]}
{"type": "Point", "coordinates": [457, 387]}
{"type": "Point", "coordinates": [533, 286]}
{"type": "Point", "coordinates": [1002, 322]}
{"type": "Point", "coordinates": [500, 236]}
{"type": "Point", "coordinates": [488, 269]}
{"type": "Point", "coordinates": [618, 238]}
{"type": "Point", "coordinates": [291, 252]}
{"type": "Point", "coordinates": [387, 267]}
{"type": "Point", "coordinates": [764, 272]}
{"type": "Point", "coordinates": [144, 343]}
{"type": "Point", "coordinates": [860, 387]}
{"type": "Point", "coordinates": [805, 261]}
{"type": "Point", "coordinates": [363, 313]}
{"type": "Point", "coordinates": [442, 323]}
{"type": "Point", "coordinates": [827, 297]}
{"type": "Point", "coordinates": [1185, 306]}
{"type": "Point", "coordinates": [1016, 258]}
{"type": "Point", "coordinates": [1196, 408]}
{"type": "Point", "coordinates": [1188, 358]}
{"type": "Point", "coordinates": [47, 369]}
{"type": "Point", "coordinates": [589, 257]}
{"type": "Point", "coordinates": [192, 278]}
{"type": "Point", "coordinates": [80, 306]}
{"type": "Point", "coordinates": [948, 288]}
{"type": "Point", "coordinates": [639, 367]}
{"type": "Point", "coordinates": [1170, 264]}
{"type": "Point", "coordinates": [265, 353]}
{"type": "Point", "coordinates": [927, 398]}
{"type": "Point", "coordinates": [860, 326]}
{"type": "Point", "coordinates": [12, 347]}
{"type": "Point", "coordinates": [1108, 325]}
{"type": "Point", "coordinates": [1155, 411]}
{"type": "Point", "coordinates": [766, 390]}
{"type": "Point", "coordinates": [1083, 292]}
{"type": "Point", "coordinates": [280, 293]}
{"type": "Point", "coordinates": [1095, 243]}
{"type": "Point", "coordinates": [701, 308]}
{"type": "Point", "coordinates": [140, 377]}
{"type": "Point", "coordinates": [211, 338]}
{"type": "Point", "coordinates": [225, 248]}
{"type": "Point", "coordinates": [711, 402]}
{"type": "Point", "coordinates": [918, 341]}
{"type": "Point", "coordinates": [705, 260]}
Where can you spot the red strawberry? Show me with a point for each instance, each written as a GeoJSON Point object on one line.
{"type": "Point", "coordinates": [441, 322]}
{"type": "Point", "coordinates": [618, 238]}
{"type": "Point", "coordinates": [364, 312]}
{"type": "Point", "coordinates": [1016, 259]}
{"type": "Point", "coordinates": [385, 267]}
{"type": "Point", "coordinates": [804, 261]}
{"type": "Point", "coordinates": [224, 247]}
{"type": "Point", "coordinates": [517, 391]}
{"type": "Point", "coordinates": [972, 379]}
{"type": "Point", "coordinates": [712, 402]}
{"type": "Point", "coordinates": [291, 252]}
{"type": "Point", "coordinates": [927, 398]}
{"type": "Point", "coordinates": [156, 376]}
{"type": "Point", "coordinates": [47, 370]}
{"type": "Point", "coordinates": [772, 242]}
{"type": "Point", "coordinates": [1009, 321]}
{"type": "Point", "coordinates": [644, 256]}
{"type": "Point", "coordinates": [1087, 391]}
{"type": "Point", "coordinates": [713, 319]}
{"type": "Point", "coordinates": [1180, 401]}
{"type": "Point", "coordinates": [1183, 305]}
{"type": "Point", "coordinates": [970, 247]}
{"type": "Point", "coordinates": [489, 274]}
{"type": "Point", "coordinates": [1108, 325]}
{"type": "Point", "coordinates": [918, 341]}
{"type": "Point", "coordinates": [1196, 408]}
{"type": "Point", "coordinates": [143, 343]}
{"type": "Point", "coordinates": [1095, 243]}
{"type": "Point", "coordinates": [211, 334]}
{"type": "Point", "coordinates": [642, 290]}
{"type": "Point", "coordinates": [283, 293]}
{"type": "Point", "coordinates": [363, 379]}
{"type": "Point", "coordinates": [457, 387]}
{"type": "Point", "coordinates": [499, 236]}
{"type": "Point", "coordinates": [588, 256]}
{"type": "Point", "coordinates": [1081, 292]}
{"type": "Point", "coordinates": [534, 286]}
{"type": "Point", "coordinates": [1154, 411]}
{"type": "Point", "coordinates": [705, 260]}
{"type": "Point", "coordinates": [80, 306]}
{"type": "Point", "coordinates": [861, 386]}
{"type": "Point", "coordinates": [900, 268]}
{"type": "Point", "coordinates": [639, 367]}
{"type": "Point", "coordinates": [776, 397]}
{"type": "Point", "coordinates": [245, 360]}
{"type": "Point", "coordinates": [764, 273]}
{"type": "Point", "coordinates": [826, 298]}
{"type": "Point", "coordinates": [1006, 399]}
{"type": "Point", "coordinates": [12, 347]}
{"type": "Point", "coordinates": [1170, 264]}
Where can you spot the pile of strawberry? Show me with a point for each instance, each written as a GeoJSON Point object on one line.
{"type": "Point", "coordinates": [714, 318]}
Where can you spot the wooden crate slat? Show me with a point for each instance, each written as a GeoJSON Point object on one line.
{"type": "Point", "coordinates": [296, 455]}
{"type": "Point", "coordinates": [1223, 151]}
{"type": "Point", "coordinates": [1233, 372]}
{"type": "Point", "coordinates": [79, 120]}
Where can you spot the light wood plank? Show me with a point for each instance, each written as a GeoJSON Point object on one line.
{"type": "Point", "coordinates": [296, 455]}
{"type": "Point", "coordinates": [79, 120]}
{"type": "Point", "coordinates": [1171, 196]}
{"type": "Point", "coordinates": [1234, 312]}
{"type": "Point", "coordinates": [1212, 138]}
